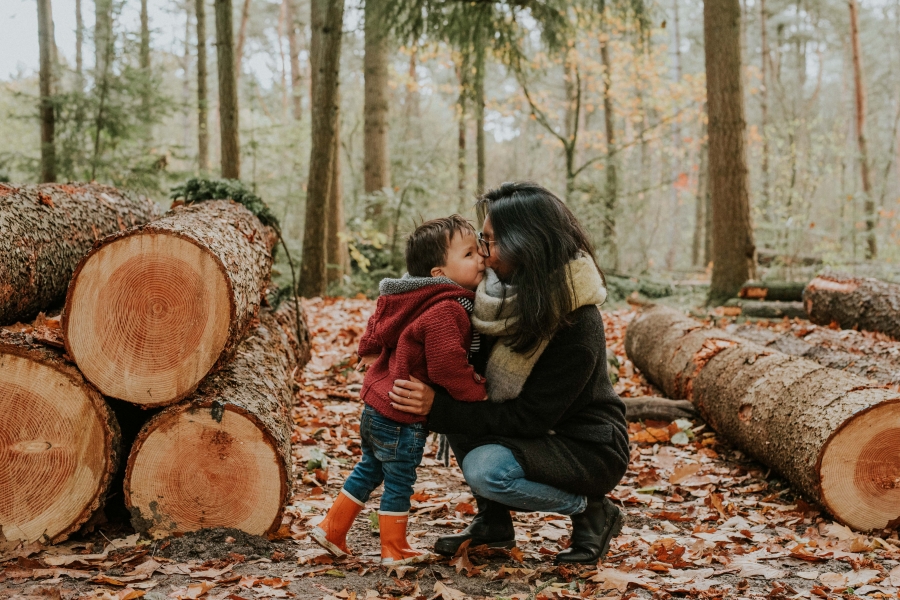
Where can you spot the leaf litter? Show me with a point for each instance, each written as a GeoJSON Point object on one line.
{"type": "Point", "coordinates": [703, 521]}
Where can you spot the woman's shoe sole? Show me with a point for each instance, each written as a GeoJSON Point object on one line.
{"type": "Point", "coordinates": [412, 560]}
{"type": "Point", "coordinates": [506, 544]}
{"type": "Point", "coordinates": [318, 536]}
{"type": "Point", "coordinates": [614, 531]}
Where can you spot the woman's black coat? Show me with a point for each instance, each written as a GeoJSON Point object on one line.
{"type": "Point", "coordinates": [567, 427]}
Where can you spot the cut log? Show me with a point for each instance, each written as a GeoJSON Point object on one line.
{"type": "Point", "coordinates": [47, 229]}
{"type": "Point", "coordinates": [784, 291]}
{"type": "Point", "coordinates": [819, 346]}
{"type": "Point", "coordinates": [153, 310]}
{"type": "Point", "coordinates": [767, 258]}
{"type": "Point", "coordinates": [642, 408]}
{"type": "Point", "coordinates": [833, 435]}
{"type": "Point", "coordinates": [222, 458]}
{"type": "Point", "coordinates": [854, 303]}
{"type": "Point", "coordinates": [767, 310]}
{"type": "Point", "coordinates": [59, 443]}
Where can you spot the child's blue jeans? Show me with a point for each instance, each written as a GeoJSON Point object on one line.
{"type": "Point", "coordinates": [391, 451]}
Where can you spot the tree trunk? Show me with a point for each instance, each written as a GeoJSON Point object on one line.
{"type": "Point", "coordinates": [145, 39]}
{"type": "Point", "coordinates": [282, 22]}
{"type": "Point", "coordinates": [79, 47]}
{"type": "Point", "coordinates": [733, 249]}
{"type": "Point", "coordinates": [233, 436]}
{"type": "Point", "coordinates": [699, 251]}
{"type": "Point", "coordinates": [152, 310]}
{"type": "Point", "coordinates": [823, 345]}
{"type": "Point", "coordinates": [854, 303]}
{"type": "Point", "coordinates": [102, 35]}
{"type": "Point", "coordinates": [829, 433]}
{"type": "Point", "coordinates": [764, 111]}
{"type": "Point", "coordinates": [375, 144]}
{"type": "Point", "coordinates": [228, 99]}
{"type": "Point", "coordinates": [657, 409]}
{"type": "Point", "coordinates": [786, 291]}
{"type": "Point", "coordinates": [294, 51]}
{"type": "Point", "coordinates": [336, 254]}
{"type": "Point", "coordinates": [767, 309]}
{"type": "Point", "coordinates": [48, 116]}
{"type": "Point", "coordinates": [480, 65]}
{"type": "Point", "coordinates": [412, 94]}
{"type": "Point", "coordinates": [61, 443]}
{"type": "Point", "coordinates": [47, 229]}
{"type": "Point", "coordinates": [202, 106]}
{"type": "Point", "coordinates": [611, 193]}
{"type": "Point", "coordinates": [327, 20]}
{"type": "Point", "coordinates": [462, 106]}
{"type": "Point", "coordinates": [242, 37]}
{"type": "Point", "coordinates": [860, 95]}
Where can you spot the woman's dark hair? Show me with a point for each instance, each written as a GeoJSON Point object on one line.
{"type": "Point", "coordinates": [537, 235]}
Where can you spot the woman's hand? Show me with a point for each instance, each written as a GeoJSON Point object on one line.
{"type": "Point", "coordinates": [412, 396]}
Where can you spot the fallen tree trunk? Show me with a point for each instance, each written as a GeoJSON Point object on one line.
{"type": "Point", "coordinates": [768, 309]}
{"type": "Point", "coordinates": [59, 443]}
{"type": "Point", "coordinates": [768, 258]}
{"type": "Point", "coordinates": [874, 367]}
{"type": "Point", "coordinates": [642, 408]}
{"type": "Point", "coordinates": [47, 229]}
{"type": "Point", "coordinates": [784, 291]}
{"type": "Point", "coordinates": [151, 311]}
{"type": "Point", "coordinates": [831, 434]}
{"type": "Point", "coordinates": [223, 457]}
{"type": "Point", "coordinates": [854, 303]}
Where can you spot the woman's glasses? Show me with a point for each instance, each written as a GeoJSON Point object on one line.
{"type": "Point", "coordinates": [484, 246]}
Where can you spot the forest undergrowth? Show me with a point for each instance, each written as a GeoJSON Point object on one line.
{"type": "Point", "coordinates": [703, 521]}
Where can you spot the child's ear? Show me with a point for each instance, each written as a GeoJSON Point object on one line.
{"type": "Point", "coordinates": [437, 272]}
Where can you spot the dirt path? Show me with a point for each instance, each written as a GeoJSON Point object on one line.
{"type": "Point", "coordinates": [702, 523]}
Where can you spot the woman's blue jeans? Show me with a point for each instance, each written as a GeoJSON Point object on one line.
{"type": "Point", "coordinates": [391, 451]}
{"type": "Point", "coordinates": [493, 472]}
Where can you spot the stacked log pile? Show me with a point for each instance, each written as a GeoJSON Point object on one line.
{"type": "Point", "coordinates": [768, 300]}
{"type": "Point", "coordinates": [833, 435]}
{"type": "Point", "coordinates": [165, 313]}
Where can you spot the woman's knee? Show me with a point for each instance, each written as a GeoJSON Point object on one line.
{"type": "Point", "coordinates": [491, 470]}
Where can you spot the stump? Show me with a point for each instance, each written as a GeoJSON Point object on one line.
{"type": "Point", "coordinates": [59, 443]}
{"type": "Point", "coordinates": [223, 457]}
{"type": "Point", "coordinates": [47, 229]}
{"type": "Point", "coordinates": [834, 436]}
{"type": "Point", "coordinates": [854, 303]}
{"type": "Point", "coordinates": [151, 311]}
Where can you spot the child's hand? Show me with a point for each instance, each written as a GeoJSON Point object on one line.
{"type": "Point", "coordinates": [365, 361]}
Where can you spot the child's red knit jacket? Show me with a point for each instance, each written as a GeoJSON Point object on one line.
{"type": "Point", "coordinates": [419, 329]}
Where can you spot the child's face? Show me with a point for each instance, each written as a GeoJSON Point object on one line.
{"type": "Point", "coordinates": [464, 264]}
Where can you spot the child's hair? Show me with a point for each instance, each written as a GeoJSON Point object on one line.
{"type": "Point", "coordinates": [426, 247]}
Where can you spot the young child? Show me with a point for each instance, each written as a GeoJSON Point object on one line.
{"type": "Point", "coordinates": [420, 329]}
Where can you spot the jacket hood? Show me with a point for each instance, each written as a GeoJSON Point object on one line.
{"type": "Point", "coordinates": [404, 300]}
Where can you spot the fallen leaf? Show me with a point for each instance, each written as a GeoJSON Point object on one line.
{"type": "Point", "coordinates": [446, 592]}
{"type": "Point", "coordinates": [682, 473]}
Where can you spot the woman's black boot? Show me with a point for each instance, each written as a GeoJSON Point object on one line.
{"type": "Point", "coordinates": [592, 531]}
{"type": "Point", "coordinates": [492, 526]}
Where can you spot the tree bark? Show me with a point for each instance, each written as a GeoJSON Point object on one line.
{"type": "Point", "coordinates": [202, 105]}
{"type": "Point", "coordinates": [764, 110]}
{"type": "Point", "coordinates": [336, 254]}
{"type": "Point", "coordinates": [327, 19]}
{"type": "Point", "coordinates": [47, 229]}
{"type": "Point", "coordinates": [699, 251]}
{"type": "Point", "coordinates": [860, 96]}
{"type": "Point", "coordinates": [480, 66]}
{"type": "Point", "coordinates": [768, 309]}
{"type": "Point", "coordinates": [242, 38]}
{"type": "Point", "coordinates": [786, 291]}
{"type": "Point", "coordinates": [48, 114]}
{"type": "Point", "coordinates": [294, 51]}
{"type": "Point", "coordinates": [79, 47]}
{"type": "Point", "coordinates": [61, 443]}
{"type": "Point", "coordinates": [145, 38]}
{"type": "Point", "coordinates": [732, 249]}
{"type": "Point", "coordinates": [375, 66]}
{"type": "Point", "coordinates": [150, 311]}
{"type": "Point", "coordinates": [102, 35]}
{"type": "Point", "coordinates": [854, 303]}
{"type": "Point", "coordinates": [611, 193]}
{"type": "Point", "coordinates": [233, 435]}
{"type": "Point", "coordinates": [829, 433]}
{"type": "Point", "coordinates": [658, 409]}
{"type": "Point", "coordinates": [228, 99]}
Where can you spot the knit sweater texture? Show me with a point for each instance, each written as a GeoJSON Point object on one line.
{"type": "Point", "coordinates": [419, 329]}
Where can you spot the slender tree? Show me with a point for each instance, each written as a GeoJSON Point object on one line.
{"type": "Point", "coordinates": [145, 56]}
{"type": "Point", "coordinates": [242, 37]}
{"type": "Point", "coordinates": [764, 108]}
{"type": "Point", "coordinates": [478, 88]}
{"type": "Point", "coordinates": [228, 100]}
{"type": "Point", "coordinates": [327, 18]}
{"type": "Point", "coordinates": [102, 35]}
{"type": "Point", "coordinates": [462, 73]}
{"type": "Point", "coordinates": [202, 118]}
{"type": "Point", "coordinates": [733, 250]}
{"type": "Point", "coordinates": [375, 143]}
{"type": "Point", "coordinates": [336, 255]}
{"type": "Point", "coordinates": [294, 51]}
{"type": "Point", "coordinates": [611, 191]}
{"type": "Point", "coordinates": [48, 117]}
{"type": "Point", "coordinates": [79, 45]}
{"type": "Point", "coordinates": [860, 96]}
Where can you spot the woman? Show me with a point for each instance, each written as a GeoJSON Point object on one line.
{"type": "Point", "coordinates": [554, 437]}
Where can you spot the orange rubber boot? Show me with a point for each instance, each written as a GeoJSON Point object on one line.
{"type": "Point", "coordinates": [395, 549]}
{"type": "Point", "coordinates": [331, 533]}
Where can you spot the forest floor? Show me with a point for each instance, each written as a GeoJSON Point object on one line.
{"type": "Point", "coordinates": [703, 521]}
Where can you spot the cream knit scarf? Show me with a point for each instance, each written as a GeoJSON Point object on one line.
{"type": "Point", "coordinates": [507, 370]}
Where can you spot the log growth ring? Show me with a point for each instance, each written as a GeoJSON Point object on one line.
{"type": "Point", "coordinates": [148, 317]}
{"type": "Point", "coordinates": [53, 451]}
{"type": "Point", "coordinates": [860, 469]}
{"type": "Point", "coordinates": [188, 471]}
